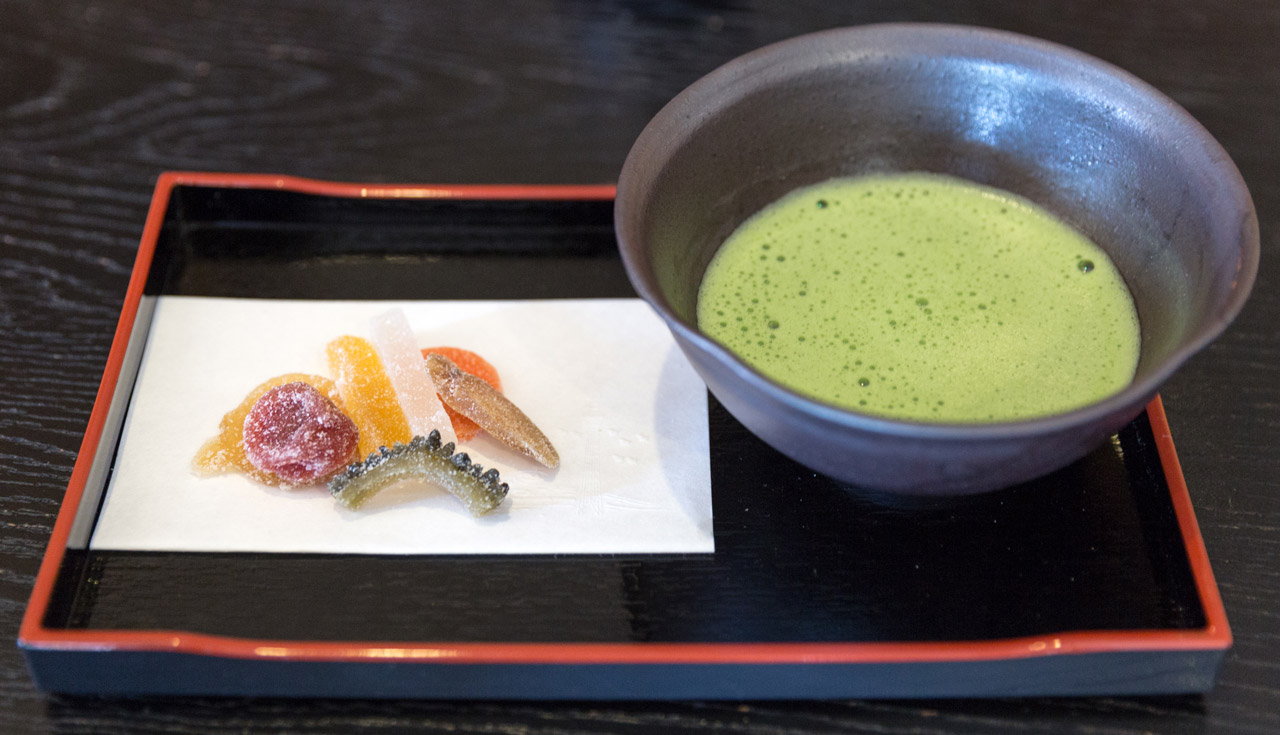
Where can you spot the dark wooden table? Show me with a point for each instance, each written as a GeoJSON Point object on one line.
{"type": "Point", "coordinates": [98, 97]}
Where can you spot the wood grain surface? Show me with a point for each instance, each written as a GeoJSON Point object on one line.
{"type": "Point", "coordinates": [96, 98]}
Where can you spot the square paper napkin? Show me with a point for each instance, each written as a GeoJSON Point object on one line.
{"type": "Point", "coordinates": [602, 378]}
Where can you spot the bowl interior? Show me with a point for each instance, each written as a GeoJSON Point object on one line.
{"type": "Point", "coordinates": [1098, 148]}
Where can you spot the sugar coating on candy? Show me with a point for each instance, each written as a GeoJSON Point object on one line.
{"type": "Point", "coordinates": [393, 339]}
{"type": "Point", "coordinates": [294, 432]}
{"type": "Point", "coordinates": [225, 452]}
{"type": "Point", "coordinates": [367, 393]}
{"type": "Point", "coordinates": [468, 362]}
{"type": "Point", "coordinates": [478, 401]}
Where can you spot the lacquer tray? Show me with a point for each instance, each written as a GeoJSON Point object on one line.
{"type": "Point", "coordinates": [1093, 580]}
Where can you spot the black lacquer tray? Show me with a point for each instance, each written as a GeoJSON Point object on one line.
{"type": "Point", "coordinates": [1092, 580]}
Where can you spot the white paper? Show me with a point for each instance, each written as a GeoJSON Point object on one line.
{"type": "Point", "coordinates": [601, 377]}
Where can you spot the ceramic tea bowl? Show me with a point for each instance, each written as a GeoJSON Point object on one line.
{"type": "Point", "coordinates": [1092, 144]}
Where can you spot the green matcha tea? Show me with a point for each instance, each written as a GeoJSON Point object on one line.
{"type": "Point", "coordinates": [922, 297]}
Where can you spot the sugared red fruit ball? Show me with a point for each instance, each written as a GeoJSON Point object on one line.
{"type": "Point", "coordinates": [297, 433]}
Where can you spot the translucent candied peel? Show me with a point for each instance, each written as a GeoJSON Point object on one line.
{"type": "Point", "coordinates": [502, 419]}
{"type": "Point", "coordinates": [468, 362]}
{"type": "Point", "coordinates": [393, 338]}
{"type": "Point", "coordinates": [367, 393]}
{"type": "Point", "coordinates": [225, 452]}
{"type": "Point", "coordinates": [423, 458]}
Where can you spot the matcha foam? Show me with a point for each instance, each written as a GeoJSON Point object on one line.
{"type": "Point", "coordinates": [922, 297]}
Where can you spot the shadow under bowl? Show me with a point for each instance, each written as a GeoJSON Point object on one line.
{"type": "Point", "coordinates": [1092, 144]}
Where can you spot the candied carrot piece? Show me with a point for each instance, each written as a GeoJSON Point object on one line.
{"type": "Point", "coordinates": [468, 362]}
{"type": "Point", "coordinates": [225, 452]}
{"type": "Point", "coordinates": [367, 393]}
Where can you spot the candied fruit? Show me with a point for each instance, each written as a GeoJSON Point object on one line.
{"type": "Point", "coordinates": [225, 452]}
{"type": "Point", "coordinates": [478, 401]}
{"type": "Point", "coordinates": [296, 433]}
{"type": "Point", "coordinates": [468, 362]}
{"type": "Point", "coordinates": [367, 393]}
{"type": "Point", "coordinates": [423, 458]}
{"type": "Point", "coordinates": [393, 339]}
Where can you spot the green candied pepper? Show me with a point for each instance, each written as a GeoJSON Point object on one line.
{"type": "Point", "coordinates": [422, 458]}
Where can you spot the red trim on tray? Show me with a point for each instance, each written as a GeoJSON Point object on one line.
{"type": "Point", "coordinates": [384, 191]}
{"type": "Point", "coordinates": [1216, 628]}
{"type": "Point", "coordinates": [1214, 636]}
{"type": "Point", "coordinates": [32, 632]}
{"type": "Point", "coordinates": [624, 653]}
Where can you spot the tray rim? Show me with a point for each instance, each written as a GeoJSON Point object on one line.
{"type": "Point", "coordinates": [1215, 635]}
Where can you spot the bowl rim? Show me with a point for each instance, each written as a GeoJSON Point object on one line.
{"type": "Point", "coordinates": [724, 84]}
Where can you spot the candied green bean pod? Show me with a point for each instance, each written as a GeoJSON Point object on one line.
{"type": "Point", "coordinates": [423, 458]}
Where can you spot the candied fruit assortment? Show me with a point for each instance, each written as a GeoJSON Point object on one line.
{"type": "Point", "coordinates": [478, 401]}
{"type": "Point", "coordinates": [468, 362]}
{"type": "Point", "coordinates": [367, 393]}
{"type": "Point", "coordinates": [395, 405]}
{"type": "Point", "coordinates": [294, 432]}
{"type": "Point", "coordinates": [225, 452]}
{"type": "Point", "coordinates": [393, 339]}
{"type": "Point", "coordinates": [423, 458]}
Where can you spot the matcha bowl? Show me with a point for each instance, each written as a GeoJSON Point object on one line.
{"type": "Point", "coordinates": [1103, 151]}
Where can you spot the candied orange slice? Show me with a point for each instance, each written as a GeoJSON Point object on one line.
{"type": "Point", "coordinates": [367, 393]}
{"type": "Point", "coordinates": [225, 452]}
{"type": "Point", "coordinates": [468, 362]}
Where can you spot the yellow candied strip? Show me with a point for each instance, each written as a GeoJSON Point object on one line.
{"type": "Point", "coordinates": [225, 452]}
{"type": "Point", "coordinates": [367, 393]}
